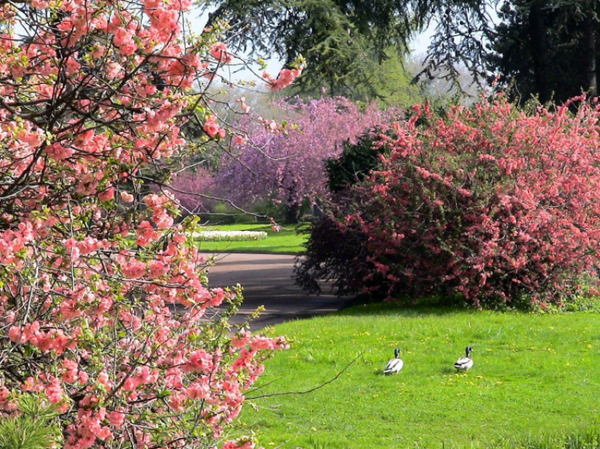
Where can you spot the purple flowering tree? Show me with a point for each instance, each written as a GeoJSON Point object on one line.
{"type": "Point", "coordinates": [287, 165]}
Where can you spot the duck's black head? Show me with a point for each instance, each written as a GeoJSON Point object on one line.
{"type": "Point", "coordinates": [469, 349]}
{"type": "Point", "coordinates": [396, 352]}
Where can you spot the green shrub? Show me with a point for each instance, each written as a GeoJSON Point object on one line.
{"type": "Point", "coordinates": [34, 428]}
{"type": "Point", "coordinates": [354, 164]}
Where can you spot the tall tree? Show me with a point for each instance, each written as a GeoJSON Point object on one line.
{"type": "Point", "coordinates": [340, 40]}
{"type": "Point", "coordinates": [547, 49]}
{"type": "Point", "coordinates": [463, 30]}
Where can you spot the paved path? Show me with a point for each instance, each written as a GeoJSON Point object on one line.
{"type": "Point", "coordinates": [267, 280]}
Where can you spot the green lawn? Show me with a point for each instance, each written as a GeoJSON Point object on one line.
{"type": "Point", "coordinates": [533, 373]}
{"type": "Point", "coordinates": [286, 241]}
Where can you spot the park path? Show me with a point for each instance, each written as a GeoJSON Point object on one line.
{"type": "Point", "coordinates": [267, 280]}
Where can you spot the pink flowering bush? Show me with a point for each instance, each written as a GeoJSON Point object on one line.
{"type": "Point", "coordinates": [104, 301]}
{"type": "Point", "coordinates": [491, 202]}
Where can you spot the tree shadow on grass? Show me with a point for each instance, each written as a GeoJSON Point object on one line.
{"type": "Point", "coordinates": [368, 306]}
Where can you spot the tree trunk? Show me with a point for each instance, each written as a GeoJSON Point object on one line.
{"type": "Point", "coordinates": [588, 56]}
{"type": "Point", "coordinates": [539, 45]}
{"type": "Point", "coordinates": [292, 213]}
{"type": "Point", "coordinates": [293, 207]}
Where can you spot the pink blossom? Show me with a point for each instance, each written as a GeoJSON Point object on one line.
{"type": "Point", "coordinates": [199, 361]}
{"type": "Point", "coordinates": [157, 269]}
{"type": "Point", "coordinates": [70, 374]}
{"type": "Point", "coordinates": [134, 269]}
{"type": "Point", "coordinates": [104, 433]}
{"type": "Point", "coordinates": [212, 128]}
{"type": "Point", "coordinates": [146, 233]}
{"type": "Point", "coordinates": [53, 390]}
{"type": "Point", "coordinates": [107, 194]}
{"type": "Point", "coordinates": [164, 22]}
{"type": "Point", "coordinates": [240, 443]}
{"type": "Point", "coordinates": [283, 80]}
{"type": "Point", "coordinates": [105, 380]}
{"type": "Point", "coordinates": [59, 152]}
{"type": "Point", "coordinates": [151, 4]}
{"type": "Point", "coordinates": [154, 200]}
{"type": "Point", "coordinates": [123, 39]}
{"type": "Point", "coordinates": [4, 394]}
{"type": "Point", "coordinates": [216, 298]}
{"type": "Point", "coordinates": [243, 105]}
{"type": "Point", "coordinates": [162, 219]}
{"type": "Point", "coordinates": [220, 52]}
{"type": "Point", "coordinates": [69, 309]}
{"type": "Point", "coordinates": [98, 51]}
{"type": "Point", "coordinates": [15, 334]}
{"type": "Point", "coordinates": [130, 384]}
{"type": "Point", "coordinates": [88, 185]}
{"type": "Point", "coordinates": [240, 139]}
{"type": "Point", "coordinates": [116, 419]}
{"type": "Point", "coordinates": [197, 392]}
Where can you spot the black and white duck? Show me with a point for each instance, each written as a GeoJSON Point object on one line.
{"type": "Point", "coordinates": [465, 363]}
{"type": "Point", "coordinates": [395, 365]}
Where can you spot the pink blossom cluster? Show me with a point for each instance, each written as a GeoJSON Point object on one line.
{"type": "Point", "coordinates": [243, 105]}
{"type": "Point", "coordinates": [104, 299]}
{"type": "Point", "coordinates": [196, 182]}
{"type": "Point", "coordinates": [285, 78]}
{"type": "Point", "coordinates": [213, 129]}
{"type": "Point", "coordinates": [221, 53]}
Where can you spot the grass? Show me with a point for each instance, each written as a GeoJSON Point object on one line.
{"type": "Point", "coordinates": [286, 241]}
{"type": "Point", "coordinates": [535, 380]}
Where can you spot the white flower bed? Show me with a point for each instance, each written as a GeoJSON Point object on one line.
{"type": "Point", "coordinates": [229, 236]}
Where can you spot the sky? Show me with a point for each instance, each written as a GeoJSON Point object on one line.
{"type": "Point", "coordinates": [421, 41]}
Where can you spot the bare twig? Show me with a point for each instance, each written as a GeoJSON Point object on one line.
{"type": "Point", "coordinates": [336, 377]}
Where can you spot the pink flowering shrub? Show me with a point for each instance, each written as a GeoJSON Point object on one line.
{"type": "Point", "coordinates": [104, 301]}
{"type": "Point", "coordinates": [491, 202]}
